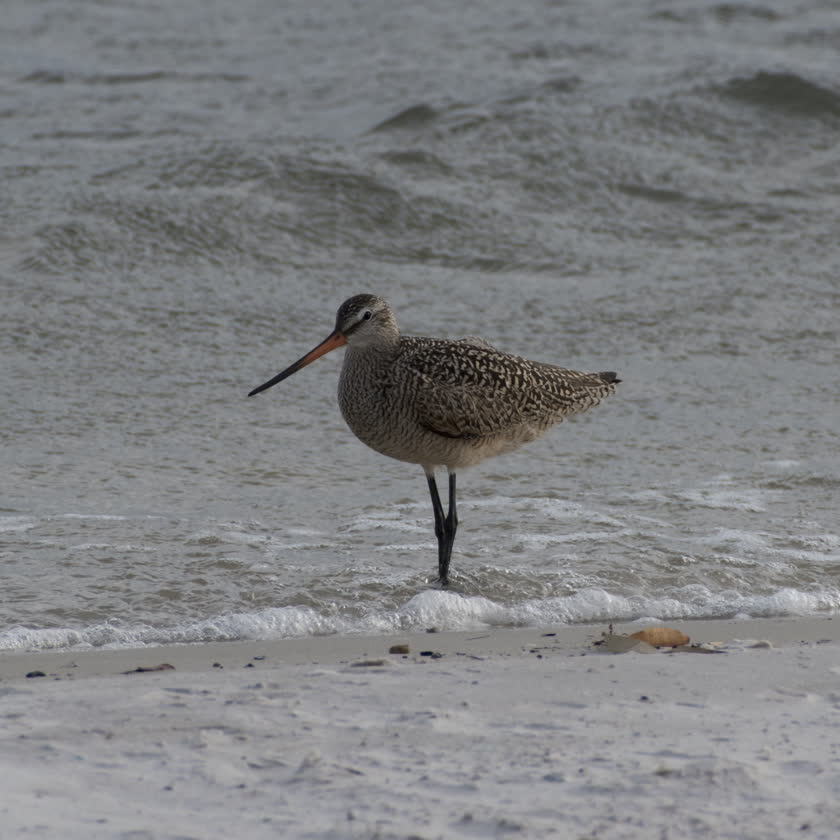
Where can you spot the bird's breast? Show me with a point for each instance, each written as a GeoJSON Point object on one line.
{"type": "Point", "coordinates": [380, 406]}
{"type": "Point", "coordinates": [366, 397]}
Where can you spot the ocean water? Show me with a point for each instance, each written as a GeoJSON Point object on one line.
{"type": "Point", "coordinates": [191, 189]}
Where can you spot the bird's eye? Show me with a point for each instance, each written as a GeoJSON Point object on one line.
{"type": "Point", "coordinates": [368, 315]}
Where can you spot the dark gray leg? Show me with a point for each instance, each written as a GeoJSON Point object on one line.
{"type": "Point", "coordinates": [445, 528]}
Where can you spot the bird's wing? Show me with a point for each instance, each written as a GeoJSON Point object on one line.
{"type": "Point", "coordinates": [469, 390]}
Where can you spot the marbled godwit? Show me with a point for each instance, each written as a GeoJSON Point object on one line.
{"type": "Point", "coordinates": [440, 403]}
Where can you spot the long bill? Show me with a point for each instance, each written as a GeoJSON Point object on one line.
{"type": "Point", "coordinates": [334, 340]}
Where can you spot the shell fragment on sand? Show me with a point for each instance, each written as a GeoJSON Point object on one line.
{"type": "Point", "coordinates": [661, 637]}
{"type": "Point", "coordinates": [651, 639]}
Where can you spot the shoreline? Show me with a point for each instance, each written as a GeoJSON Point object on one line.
{"type": "Point", "coordinates": [336, 650]}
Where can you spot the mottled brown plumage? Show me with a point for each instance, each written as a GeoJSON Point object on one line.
{"type": "Point", "coordinates": [435, 402]}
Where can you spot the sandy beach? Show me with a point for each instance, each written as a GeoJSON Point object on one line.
{"type": "Point", "coordinates": [503, 732]}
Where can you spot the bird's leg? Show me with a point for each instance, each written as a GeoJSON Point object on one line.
{"type": "Point", "coordinates": [444, 527]}
{"type": "Point", "coordinates": [438, 509]}
{"type": "Point", "coordinates": [450, 526]}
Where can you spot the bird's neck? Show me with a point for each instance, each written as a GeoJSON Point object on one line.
{"type": "Point", "coordinates": [383, 346]}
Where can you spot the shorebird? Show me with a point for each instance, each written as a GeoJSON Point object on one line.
{"type": "Point", "coordinates": [442, 403]}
